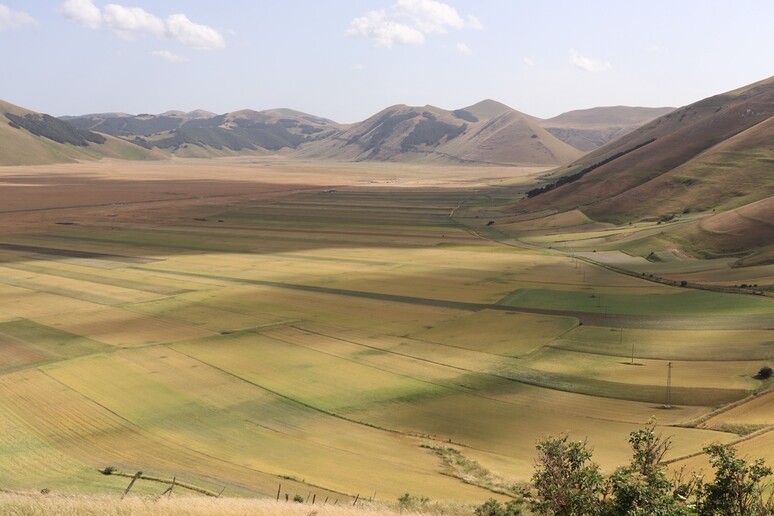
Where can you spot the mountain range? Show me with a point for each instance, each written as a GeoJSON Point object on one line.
{"type": "Point", "coordinates": [615, 164]}
{"type": "Point", "coordinates": [485, 133]}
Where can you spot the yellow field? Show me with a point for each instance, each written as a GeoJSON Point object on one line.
{"type": "Point", "coordinates": [496, 332]}
{"type": "Point", "coordinates": [313, 326]}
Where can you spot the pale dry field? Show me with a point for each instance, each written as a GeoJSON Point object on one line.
{"type": "Point", "coordinates": [245, 323]}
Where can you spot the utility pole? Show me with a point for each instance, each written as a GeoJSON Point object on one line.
{"type": "Point", "coordinates": [669, 385]}
{"type": "Point", "coordinates": [632, 362]}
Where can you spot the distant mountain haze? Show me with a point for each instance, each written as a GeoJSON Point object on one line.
{"type": "Point", "coordinates": [487, 132]}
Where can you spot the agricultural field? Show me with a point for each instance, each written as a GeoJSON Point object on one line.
{"type": "Point", "coordinates": [257, 324]}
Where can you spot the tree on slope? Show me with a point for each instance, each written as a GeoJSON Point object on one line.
{"type": "Point", "coordinates": [567, 481]}
{"type": "Point", "coordinates": [739, 488]}
{"type": "Point", "coordinates": [642, 487]}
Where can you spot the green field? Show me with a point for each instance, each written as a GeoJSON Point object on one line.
{"type": "Point", "coordinates": [316, 330]}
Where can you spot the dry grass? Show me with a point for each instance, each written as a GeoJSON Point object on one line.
{"type": "Point", "coordinates": [12, 504]}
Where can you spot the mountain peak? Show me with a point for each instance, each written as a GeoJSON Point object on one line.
{"type": "Point", "coordinates": [487, 109]}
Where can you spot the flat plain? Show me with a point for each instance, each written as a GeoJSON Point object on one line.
{"type": "Point", "coordinates": [250, 323]}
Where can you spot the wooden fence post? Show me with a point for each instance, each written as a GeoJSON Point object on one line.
{"type": "Point", "coordinates": [131, 483]}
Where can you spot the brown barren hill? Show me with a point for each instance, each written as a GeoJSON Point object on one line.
{"type": "Point", "coordinates": [589, 129]}
{"type": "Point", "coordinates": [714, 154]}
{"type": "Point", "coordinates": [488, 132]}
{"type": "Point", "coordinates": [510, 138]}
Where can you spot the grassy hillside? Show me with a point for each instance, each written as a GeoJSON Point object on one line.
{"type": "Point", "coordinates": [709, 157]}
{"type": "Point", "coordinates": [29, 138]}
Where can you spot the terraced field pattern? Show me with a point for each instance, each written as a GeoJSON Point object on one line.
{"type": "Point", "coordinates": [246, 324]}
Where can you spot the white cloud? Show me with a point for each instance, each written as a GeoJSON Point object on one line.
{"type": "Point", "coordinates": [128, 22]}
{"type": "Point", "coordinates": [132, 20]}
{"type": "Point", "coordinates": [193, 34]}
{"type": "Point", "coordinates": [358, 67]}
{"type": "Point", "coordinates": [10, 19]}
{"type": "Point", "coordinates": [169, 56]}
{"type": "Point", "coordinates": [430, 16]}
{"type": "Point", "coordinates": [529, 61]}
{"type": "Point", "coordinates": [474, 23]}
{"type": "Point", "coordinates": [83, 12]}
{"type": "Point", "coordinates": [408, 22]}
{"type": "Point", "coordinates": [385, 32]}
{"type": "Point", "coordinates": [589, 65]}
{"type": "Point", "coordinates": [463, 49]}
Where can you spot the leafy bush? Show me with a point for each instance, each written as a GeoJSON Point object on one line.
{"type": "Point", "coordinates": [567, 481]}
{"type": "Point", "coordinates": [494, 508]}
{"type": "Point", "coordinates": [642, 487]}
{"type": "Point", "coordinates": [408, 501]}
{"type": "Point", "coordinates": [739, 487]}
{"type": "Point", "coordinates": [764, 373]}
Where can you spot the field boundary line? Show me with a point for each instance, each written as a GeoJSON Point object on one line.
{"type": "Point", "coordinates": [725, 408]}
{"type": "Point", "coordinates": [742, 439]}
{"type": "Point", "coordinates": [589, 318]}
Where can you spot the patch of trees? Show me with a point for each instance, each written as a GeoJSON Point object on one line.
{"type": "Point", "coordinates": [54, 129]}
{"type": "Point", "coordinates": [465, 115]}
{"type": "Point", "coordinates": [213, 122]}
{"type": "Point", "coordinates": [383, 127]}
{"type": "Point", "coordinates": [310, 129]}
{"type": "Point", "coordinates": [577, 175]}
{"type": "Point", "coordinates": [568, 482]}
{"type": "Point", "coordinates": [247, 135]}
{"type": "Point", "coordinates": [128, 125]}
{"type": "Point", "coordinates": [430, 132]}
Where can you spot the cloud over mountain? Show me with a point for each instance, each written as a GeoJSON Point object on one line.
{"type": "Point", "coordinates": [408, 22]}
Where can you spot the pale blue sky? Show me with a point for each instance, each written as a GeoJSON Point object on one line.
{"type": "Point", "coordinates": [347, 60]}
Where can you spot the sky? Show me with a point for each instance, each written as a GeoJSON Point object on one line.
{"type": "Point", "coordinates": [347, 60]}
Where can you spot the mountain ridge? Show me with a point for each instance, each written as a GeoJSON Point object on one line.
{"type": "Point", "coordinates": [712, 159]}
{"type": "Point", "coordinates": [487, 132]}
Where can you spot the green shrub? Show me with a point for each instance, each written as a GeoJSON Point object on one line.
{"type": "Point", "coordinates": [494, 508]}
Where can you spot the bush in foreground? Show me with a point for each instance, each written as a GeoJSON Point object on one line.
{"type": "Point", "coordinates": [567, 482]}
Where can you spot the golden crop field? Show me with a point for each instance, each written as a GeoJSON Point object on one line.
{"type": "Point", "coordinates": [313, 326]}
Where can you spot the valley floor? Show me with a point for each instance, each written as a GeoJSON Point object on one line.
{"type": "Point", "coordinates": [332, 330]}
